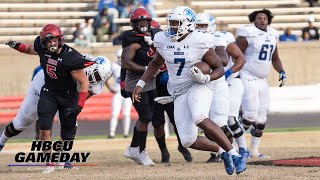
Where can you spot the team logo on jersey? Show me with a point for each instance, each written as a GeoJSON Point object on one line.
{"type": "Point", "coordinates": [170, 47]}
{"type": "Point", "coordinates": [190, 15]}
{"type": "Point", "coordinates": [59, 59]}
{"type": "Point", "coordinates": [178, 53]}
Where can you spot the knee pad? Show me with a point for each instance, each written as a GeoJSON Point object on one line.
{"type": "Point", "coordinates": [259, 126]}
{"type": "Point", "coordinates": [246, 124]}
{"type": "Point", "coordinates": [156, 123]}
{"type": "Point", "coordinates": [11, 131]}
{"type": "Point", "coordinates": [256, 132]}
{"type": "Point", "coordinates": [68, 133]}
{"type": "Point", "coordinates": [236, 128]}
{"type": "Point", "coordinates": [227, 131]}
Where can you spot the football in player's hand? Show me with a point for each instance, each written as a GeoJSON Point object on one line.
{"type": "Point", "coordinates": [204, 67]}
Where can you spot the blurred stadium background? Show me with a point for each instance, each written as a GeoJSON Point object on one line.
{"type": "Point", "coordinates": [295, 105]}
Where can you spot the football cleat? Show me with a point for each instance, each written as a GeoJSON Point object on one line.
{"type": "Point", "coordinates": [214, 157]}
{"type": "Point", "coordinates": [145, 159]}
{"type": "Point", "coordinates": [244, 153]}
{"type": "Point", "coordinates": [240, 163]}
{"type": "Point", "coordinates": [186, 153]}
{"type": "Point", "coordinates": [261, 156]}
{"type": "Point", "coordinates": [228, 163]}
{"type": "Point", "coordinates": [133, 153]}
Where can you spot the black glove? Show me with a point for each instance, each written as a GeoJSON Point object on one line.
{"type": "Point", "coordinates": [13, 44]}
{"type": "Point", "coordinates": [124, 93]}
{"type": "Point", "coordinates": [73, 112]}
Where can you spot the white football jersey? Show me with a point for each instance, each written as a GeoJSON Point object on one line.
{"type": "Point", "coordinates": [261, 46]}
{"type": "Point", "coordinates": [181, 56]}
{"type": "Point", "coordinates": [116, 71]}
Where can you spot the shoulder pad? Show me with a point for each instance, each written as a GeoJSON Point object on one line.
{"type": "Point", "coordinates": [160, 38]}
{"type": "Point", "coordinates": [130, 37]}
{"type": "Point", "coordinates": [273, 31]}
{"type": "Point", "coordinates": [203, 39]}
{"type": "Point", "coordinates": [247, 31]}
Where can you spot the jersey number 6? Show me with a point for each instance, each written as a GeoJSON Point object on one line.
{"type": "Point", "coordinates": [265, 50]}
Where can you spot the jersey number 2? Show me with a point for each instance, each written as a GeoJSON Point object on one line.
{"type": "Point", "coordinates": [265, 50]}
{"type": "Point", "coordinates": [182, 61]}
{"type": "Point", "coordinates": [51, 71]}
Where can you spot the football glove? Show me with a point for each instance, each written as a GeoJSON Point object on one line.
{"type": "Point", "coordinates": [13, 44]}
{"type": "Point", "coordinates": [73, 112]}
{"type": "Point", "coordinates": [148, 40]}
{"type": "Point", "coordinates": [198, 76]}
{"type": "Point", "coordinates": [282, 77]}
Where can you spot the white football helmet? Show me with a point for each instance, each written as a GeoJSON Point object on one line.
{"type": "Point", "coordinates": [186, 18]}
{"type": "Point", "coordinates": [101, 71]}
{"type": "Point", "coordinates": [206, 18]}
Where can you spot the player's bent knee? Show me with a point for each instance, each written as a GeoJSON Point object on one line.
{"type": "Point", "coordinates": [11, 131]}
{"type": "Point", "coordinates": [236, 129]}
{"type": "Point", "coordinates": [226, 131]}
{"type": "Point", "coordinates": [187, 141]}
{"type": "Point", "coordinates": [256, 132]}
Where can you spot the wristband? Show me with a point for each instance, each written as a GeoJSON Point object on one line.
{"type": "Point", "coordinates": [141, 83]}
{"type": "Point", "coordinates": [228, 73]}
{"type": "Point", "coordinates": [82, 98]}
{"type": "Point", "coordinates": [21, 48]}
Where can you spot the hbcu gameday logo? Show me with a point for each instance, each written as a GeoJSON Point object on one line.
{"type": "Point", "coordinates": [59, 153]}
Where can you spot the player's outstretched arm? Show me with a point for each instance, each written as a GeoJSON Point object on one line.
{"type": "Point", "coordinates": [22, 47]}
{"type": "Point", "coordinates": [152, 69]}
{"type": "Point", "coordinates": [277, 65]}
{"type": "Point", "coordinates": [214, 62]}
{"type": "Point", "coordinates": [127, 56]}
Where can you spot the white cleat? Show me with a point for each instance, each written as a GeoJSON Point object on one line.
{"type": "Point", "coordinates": [133, 153]}
{"type": "Point", "coordinates": [259, 155]}
{"type": "Point", "coordinates": [145, 159]}
{"type": "Point", "coordinates": [49, 169]}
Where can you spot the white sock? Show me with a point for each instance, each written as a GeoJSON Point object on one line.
{"type": "Point", "coordinates": [221, 151]}
{"type": "Point", "coordinates": [113, 126]}
{"type": "Point", "coordinates": [241, 141]}
{"type": "Point", "coordinates": [255, 141]}
{"type": "Point", "coordinates": [233, 152]}
{"type": "Point", "coordinates": [3, 139]}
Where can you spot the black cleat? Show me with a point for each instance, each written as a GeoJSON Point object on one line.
{"type": "Point", "coordinates": [214, 158]}
{"type": "Point", "coordinates": [186, 153]}
{"type": "Point", "coordinates": [165, 156]}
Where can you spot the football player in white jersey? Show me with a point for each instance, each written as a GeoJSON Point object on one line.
{"type": "Point", "coordinates": [224, 100]}
{"type": "Point", "coordinates": [97, 74]}
{"type": "Point", "coordinates": [258, 42]}
{"type": "Point", "coordinates": [118, 101]}
{"type": "Point", "coordinates": [180, 48]}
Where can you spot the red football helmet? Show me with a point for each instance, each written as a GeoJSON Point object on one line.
{"type": "Point", "coordinates": [155, 24]}
{"type": "Point", "coordinates": [136, 16]}
{"type": "Point", "coordinates": [49, 32]}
